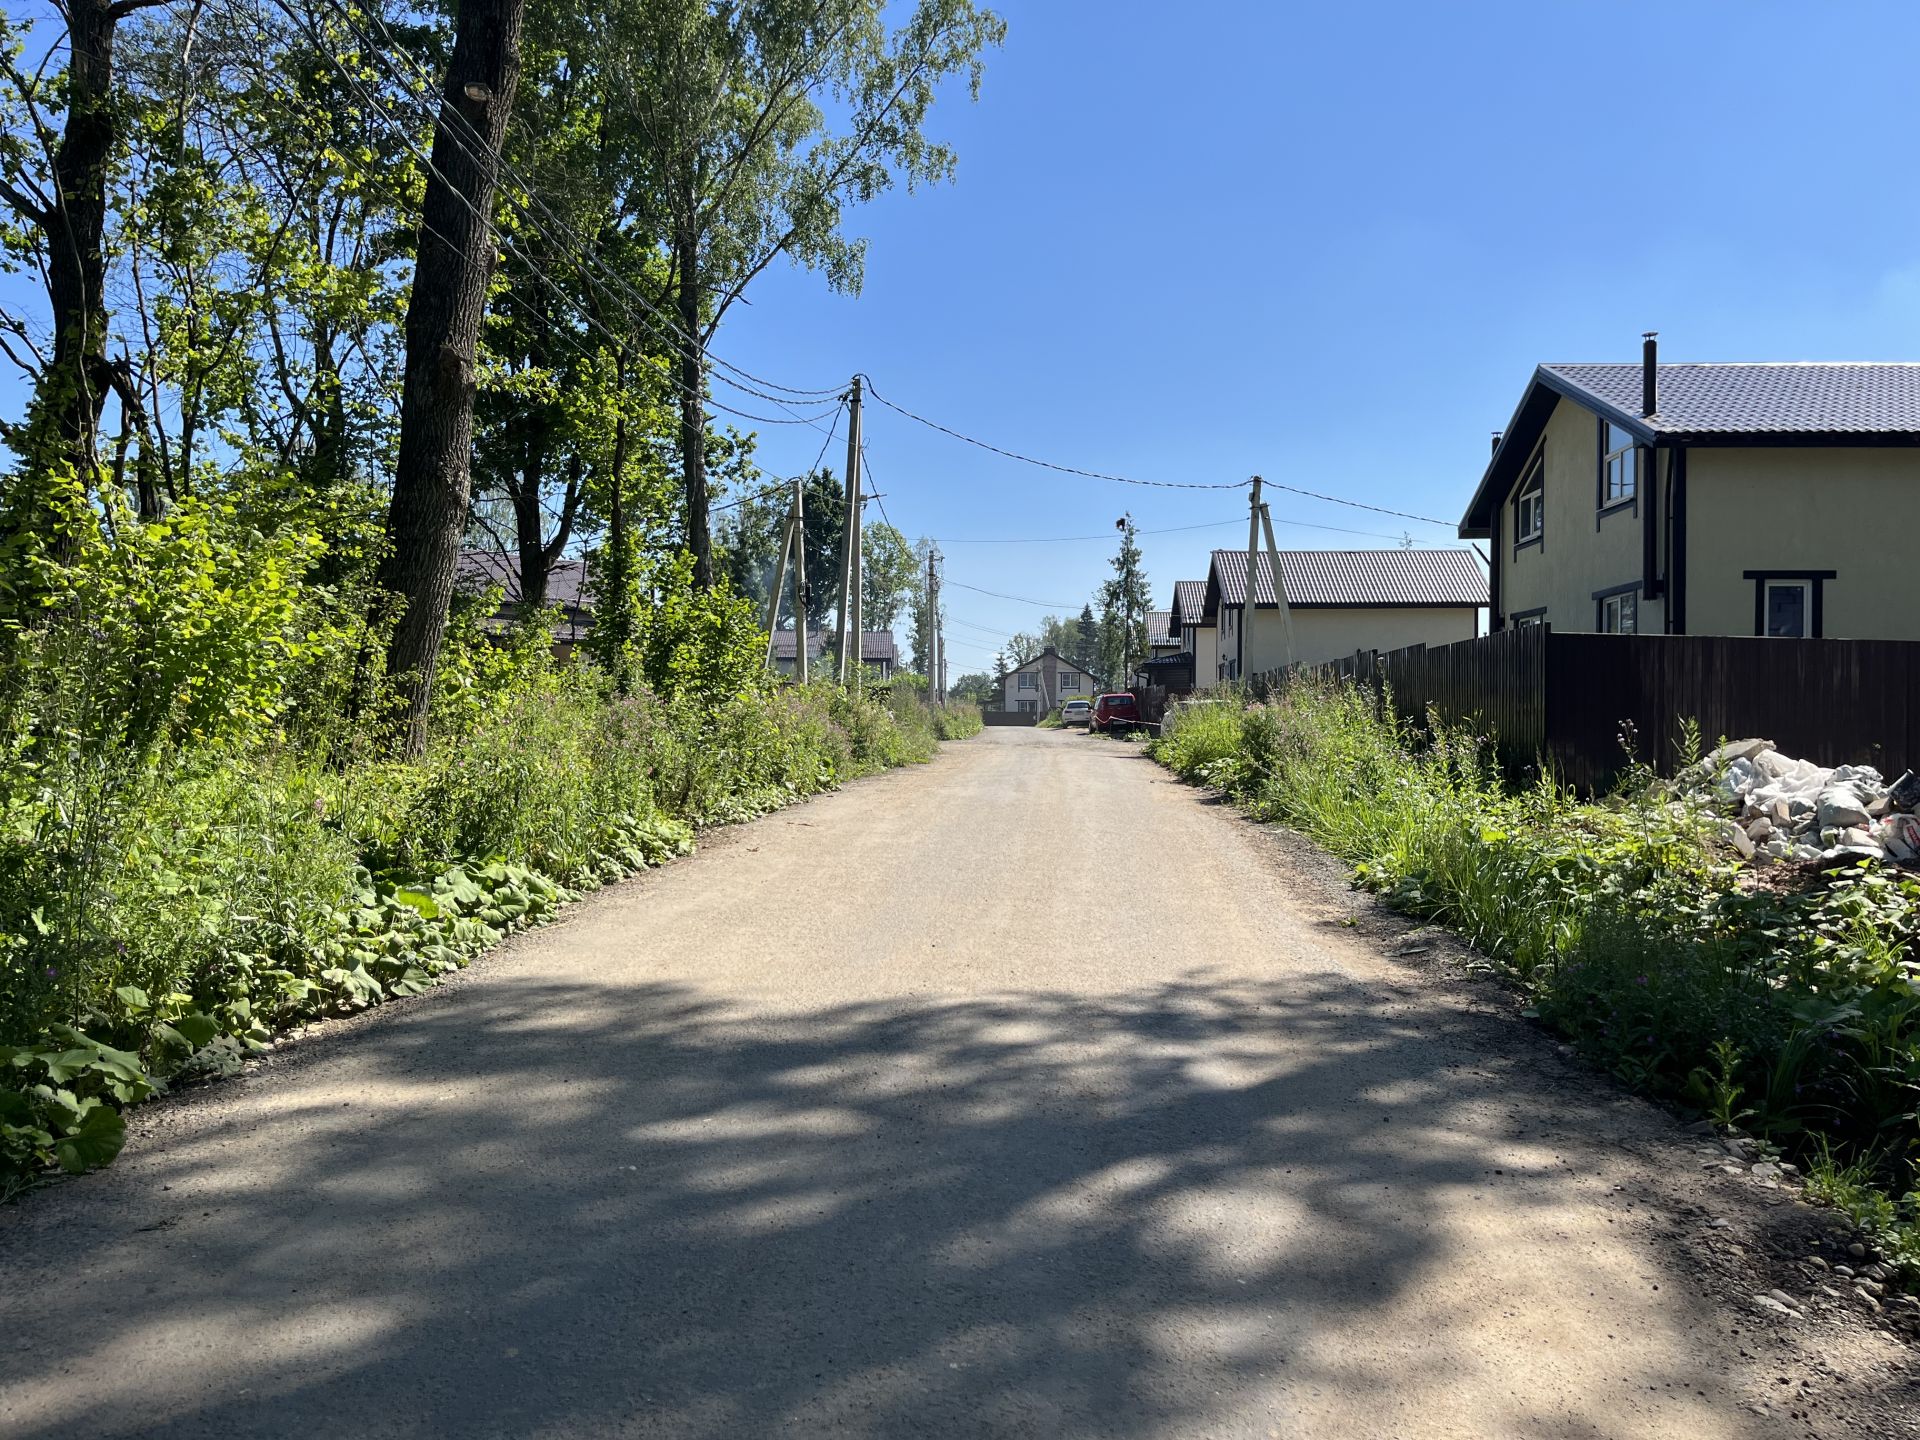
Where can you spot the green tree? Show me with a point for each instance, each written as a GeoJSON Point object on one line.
{"type": "Point", "coordinates": [890, 575]}
{"type": "Point", "coordinates": [1124, 603]}
{"type": "Point", "coordinates": [759, 124]}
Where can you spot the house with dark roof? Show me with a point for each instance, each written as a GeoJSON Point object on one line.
{"type": "Point", "coordinates": [877, 651]}
{"type": "Point", "coordinates": [1695, 499]}
{"type": "Point", "coordinates": [1044, 681]}
{"type": "Point", "coordinates": [1188, 620]}
{"type": "Point", "coordinates": [568, 591]}
{"type": "Point", "coordinates": [1332, 603]}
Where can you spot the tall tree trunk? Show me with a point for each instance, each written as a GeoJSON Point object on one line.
{"type": "Point", "coordinates": [72, 390]}
{"type": "Point", "coordinates": [432, 482]}
{"type": "Point", "coordinates": [528, 536]}
{"type": "Point", "coordinates": [693, 416]}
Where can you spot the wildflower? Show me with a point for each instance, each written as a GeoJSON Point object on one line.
{"type": "Point", "coordinates": [1639, 979]}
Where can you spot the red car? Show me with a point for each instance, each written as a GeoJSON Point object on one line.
{"type": "Point", "coordinates": [1118, 711]}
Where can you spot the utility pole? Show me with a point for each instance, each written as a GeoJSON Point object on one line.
{"type": "Point", "coordinates": [773, 595]}
{"type": "Point", "coordinates": [1246, 611]}
{"type": "Point", "coordinates": [939, 674]}
{"type": "Point", "coordinates": [850, 562]}
{"type": "Point", "coordinates": [1279, 585]}
{"type": "Point", "coordinates": [801, 632]}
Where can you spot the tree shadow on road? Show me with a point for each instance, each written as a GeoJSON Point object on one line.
{"type": "Point", "coordinates": [573, 1209]}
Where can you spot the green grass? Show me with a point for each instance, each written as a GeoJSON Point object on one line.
{"type": "Point", "coordinates": [1795, 1015]}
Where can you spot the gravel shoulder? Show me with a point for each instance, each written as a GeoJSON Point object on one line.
{"type": "Point", "coordinates": [1026, 1093]}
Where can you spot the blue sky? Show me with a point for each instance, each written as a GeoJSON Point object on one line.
{"type": "Point", "coordinates": [1328, 243]}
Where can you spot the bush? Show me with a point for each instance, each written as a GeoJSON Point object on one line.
{"type": "Point", "coordinates": [167, 906]}
{"type": "Point", "coordinates": [1796, 1015]}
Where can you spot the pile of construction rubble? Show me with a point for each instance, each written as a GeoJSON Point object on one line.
{"type": "Point", "coordinates": [1787, 809]}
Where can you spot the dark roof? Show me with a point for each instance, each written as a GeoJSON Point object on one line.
{"type": "Point", "coordinates": [1189, 602]}
{"type": "Point", "coordinates": [1758, 399]}
{"type": "Point", "coordinates": [874, 644]}
{"type": "Point", "coordinates": [1349, 578]}
{"type": "Point", "coordinates": [1160, 628]}
{"type": "Point", "coordinates": [1806, 404]}
{"type": "Point", "coordinates": [1058, 658]}
{"type": "Point", "coordinates": [566, 581]}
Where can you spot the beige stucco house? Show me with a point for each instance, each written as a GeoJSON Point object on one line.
{"type": "Point", "coordinates": [1338, 602]}
{"type": "Point", "coordinates": [1044, 681]}
{"type": "Point", "coordinates": [1749, 499]}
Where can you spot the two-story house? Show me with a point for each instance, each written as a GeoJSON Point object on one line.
{"type": "Point", "coordinates": [1188, 620]}
{"type": "Point", "coordinates": [1337, 602]}
{"type": "Point", "coordinates": [1044, 681]}
{"type": "Point", "coordinates": [1736, 499]}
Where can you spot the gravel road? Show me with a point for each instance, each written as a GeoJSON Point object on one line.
{"type": "Point", "coordinates": [1022, 1094]}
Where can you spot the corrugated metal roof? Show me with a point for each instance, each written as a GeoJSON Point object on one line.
{"type": "Point", "coordinates": [874, 644]}
{"type": "Point", "coordinates": [1353, 577]}
{"type": "Point", "coordinates": [1760, 399]}
{"type": "Point", "coordinates": [476, 569]}
{"type": "Point", "coordinates": [1160, 628]}
{"type": "Point", "coordinates": [1189, 600]}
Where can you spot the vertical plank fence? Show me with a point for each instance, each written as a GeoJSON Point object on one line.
{"type": "Point", "coordinates": [1573, 698]}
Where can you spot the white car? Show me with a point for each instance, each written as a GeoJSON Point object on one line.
{"type": "Point", "coordinates": [1077, 712]}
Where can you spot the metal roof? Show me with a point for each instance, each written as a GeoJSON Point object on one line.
{"type": "Point", "coordinates": [1351, 578]}
{"type": "Point", "coordinates": [477, 568]}
{"type": "Point", "coordinates": [1189, 601]}
{"type": "Point", "coordinates": [874, 644]}
{"type": "Point", "coordinates": [1760, 399]}
{"type": "Point", "coordinates": [1160, 628]}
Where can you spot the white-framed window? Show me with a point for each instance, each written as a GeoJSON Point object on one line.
{"type": "Point", "coordinates": [1530, 506]}
{"type": "Point", "coordinates": [1619, 614]}
{"type": "Point", "coordinates": [1069, 680]}
{"type": "Point", "coordinates": [1787, 608]}
{"type": "Point", "coordinates": [1619, 465]}
{"type": "Point", "coordinates": [1029, 681]}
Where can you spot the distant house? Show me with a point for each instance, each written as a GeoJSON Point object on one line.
{"type": "Point", "coordinates": [1044, 681]}
{"type": "Point", "coordinates": [1337, 602]}
{"type": "Point", "coordinates": [1188, 619]}
{"type": "Point", "coordinates": [877, 651]}
{"type": "Point", "coordinates": [1707, 500]}
{"type": "Point", "coordinates": [567, 591]}
{"type": "Point", "coordinates": [1165, 665]}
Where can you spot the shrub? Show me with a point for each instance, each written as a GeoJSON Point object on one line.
{"type": "Point", "coordinates": [1797, 1014]}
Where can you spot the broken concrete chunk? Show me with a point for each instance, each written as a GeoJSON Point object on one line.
{"type": "Point", "coordinates": [1760, 829]}
{"type": "Point", "coordinates": [1740, 841]}
{"type": "Point", "coordinates": [1842, 806]}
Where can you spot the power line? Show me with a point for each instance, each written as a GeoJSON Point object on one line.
{"type": "Point", "coordinates": [1044, 464]}
{"type": "Point", "coordinates": [1022, 599]}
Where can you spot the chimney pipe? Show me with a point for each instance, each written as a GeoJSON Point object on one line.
{"type": "Point", "coordinates": [1649, 371]}
{"type": "Point", "coordinates": [1496, 440]}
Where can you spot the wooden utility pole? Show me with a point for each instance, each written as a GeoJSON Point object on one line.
{"type": "Point", "coordinates": [801, 633]}
{"type": "Point", "coordinates": [937, 675]}
{"type": "Point", "coordinates": [1279, 583]}
{"type": "Point", "coordinates": [850, 561]}
{"type": "Point", "coordinates": [773, 595]}
{"type": "Point", "coordinates": [432, 482]}
{"type": "Point", "coordinates": [1246, 611]}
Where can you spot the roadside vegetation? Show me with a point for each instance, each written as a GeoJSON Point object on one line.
{"type": "Point", "coordinates": [1789, 1015]}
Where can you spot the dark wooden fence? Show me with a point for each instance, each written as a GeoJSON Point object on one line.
{"type": "Point", "coordinates": [1568, 697]}
{"type": "Point", "coordinates": [1010, 717]}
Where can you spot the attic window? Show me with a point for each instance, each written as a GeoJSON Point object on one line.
{"type": "Point", "coordinates": [1619, 465]}
{"type": "Point", "coordinates": [1530, 508]}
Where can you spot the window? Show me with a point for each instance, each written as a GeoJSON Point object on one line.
{"type": "Point", "coordinates": [1619, 466]}
{"type": "Point", "coordinates": [1789, 608]}
{"type": "Point", "coordinates": [1530, 508]}
{"type": "Point", "coordinates": [1619, 614]}
{"type": "Point", "coordinates": [1790, 604]}
{"type": "Point", "coordinates": [1069, 681]}
{"type": "Point", "coordinates": [1529, 617]}
{"type": "Point", "coordinates": [1029, 681]}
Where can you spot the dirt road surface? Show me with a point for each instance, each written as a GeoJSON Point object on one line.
{"type": "Point", "coordinates": [1023, 1094]}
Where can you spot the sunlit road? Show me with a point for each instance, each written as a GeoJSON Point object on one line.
{"type": "Point", "coordinates": [1016, 1095]}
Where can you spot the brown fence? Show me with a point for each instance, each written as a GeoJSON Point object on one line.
{"type": "Point", "coordinates": [1568, 696]}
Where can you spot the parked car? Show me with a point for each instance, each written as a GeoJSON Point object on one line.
{"type": "Point", "coordinates": [1077, 712]}
{"type": "Point", "coordinates": [1116, 712]}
